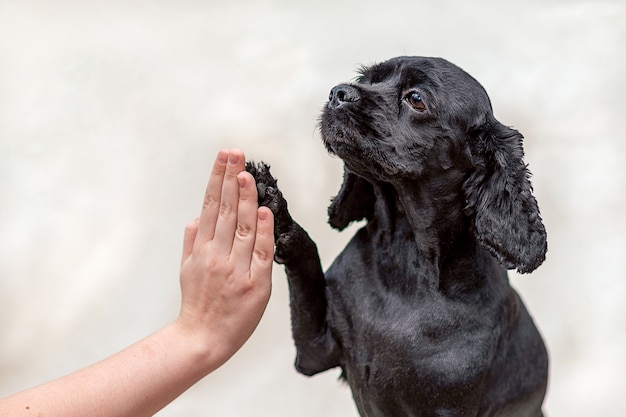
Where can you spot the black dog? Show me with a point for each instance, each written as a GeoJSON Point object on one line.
{"type": "Point", "coordinates": [417, 310]}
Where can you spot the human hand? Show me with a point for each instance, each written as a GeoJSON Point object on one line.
{"type": "Point", "coordinates": [227, 261]}
{"type": "Point", "coordinates": [226, 281]}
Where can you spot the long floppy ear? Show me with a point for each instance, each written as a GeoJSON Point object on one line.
{"type": "Point", "coordinates": [355, 201]}
{"type": "Point", "coordinates": [499, 198]}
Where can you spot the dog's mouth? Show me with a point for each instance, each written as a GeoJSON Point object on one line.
{"type": "Point", "coordinates": [343, 139]}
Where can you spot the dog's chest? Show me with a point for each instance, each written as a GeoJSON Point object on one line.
{"type": "Point", "coordinates": [397, 344]}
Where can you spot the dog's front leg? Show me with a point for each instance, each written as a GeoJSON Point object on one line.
{"type": "Point", "coordinates": [316, 348]}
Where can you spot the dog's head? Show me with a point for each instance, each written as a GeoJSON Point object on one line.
{"type": "Point", "coordinates": [410, 117]}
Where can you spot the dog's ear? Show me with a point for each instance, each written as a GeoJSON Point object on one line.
{"type": "Point", "coordinates": [499, 198]}
{"type": "Point", "coordinates": [355, 201]}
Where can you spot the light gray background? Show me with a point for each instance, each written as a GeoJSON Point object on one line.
{"type": "Point", "coordinates": [112, 112]}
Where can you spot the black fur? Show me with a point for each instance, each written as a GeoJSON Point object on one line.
{"type": "Point", "coordinates": [417, 310]}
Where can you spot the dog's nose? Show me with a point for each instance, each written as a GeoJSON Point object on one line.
{"type": "Point", "coordinates": [341, 95]}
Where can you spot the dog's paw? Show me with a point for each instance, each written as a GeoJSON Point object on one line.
{"type": "Point", "coordinates": [271, 197]}
{"type": "Point", "coordinates": [266, 184]}
{"type": "Point", "coordinates": [292, 242]}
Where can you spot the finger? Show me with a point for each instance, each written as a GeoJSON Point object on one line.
{"type": "Point", "coordinates": [229, 200]}
{"type": "Point", "coordinates": [212, 197]}
{"type": "Point", "coordinates": [263, 253]}
{"type": "Point", "coordinates": [245, 233]}
{"type": "Point", "coordinates": [191, 230]}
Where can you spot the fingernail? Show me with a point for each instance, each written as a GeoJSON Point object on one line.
{"type": "Point", "coordinates": [233, 158]}
{"type": "Point", "coordinates": [222, 156]}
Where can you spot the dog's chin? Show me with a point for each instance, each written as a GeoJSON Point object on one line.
{"type": "Point", "coordinates": [344, 146]}
{"type": "Point", "coordinates": [337, 145]}
{"type": "Point", "coordinates": [340, 141]}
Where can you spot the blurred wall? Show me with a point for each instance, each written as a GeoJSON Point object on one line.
{"type": "Point", "coordinates": [111, 114]}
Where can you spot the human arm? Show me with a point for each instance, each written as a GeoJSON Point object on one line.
{"type": "Point", "coordinates": [225, 283]}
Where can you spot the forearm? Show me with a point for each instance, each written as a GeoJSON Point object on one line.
{"type": "Point", "coordinates": [138, 381]}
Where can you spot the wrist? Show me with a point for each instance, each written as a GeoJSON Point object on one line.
{"type": "Point", "coordinates": [202, 351]}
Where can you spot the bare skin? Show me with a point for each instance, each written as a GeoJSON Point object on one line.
{"type": "Point", "coordinates": [225, 283]}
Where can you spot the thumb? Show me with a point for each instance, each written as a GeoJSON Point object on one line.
{"type": "Point", "coordinates": [191, 230]}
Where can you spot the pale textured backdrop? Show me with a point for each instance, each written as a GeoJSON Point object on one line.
{"type": "Point", "coordinates": [111, 114]}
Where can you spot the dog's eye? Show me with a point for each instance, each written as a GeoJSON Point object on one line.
{"type": "Point", "coordinates": [415, 100]}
